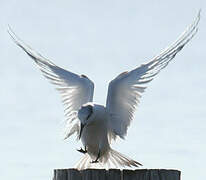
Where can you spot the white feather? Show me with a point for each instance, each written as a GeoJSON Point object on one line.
{"type": "Point", "coordinates": [102, 124]}
{"type": "Point", "coordinates": [74, 89]}
{"type": "Point", "coordinates": [125, 90]}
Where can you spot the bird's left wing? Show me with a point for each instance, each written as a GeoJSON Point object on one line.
{"type": "Point", "coordinates": [125, 90]}
{"type": "Point", "coordinates": [74, 89]}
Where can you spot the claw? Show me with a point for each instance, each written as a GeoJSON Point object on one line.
{"type": "Point", "coordinates": [82, 151]}
{"type": "Point", "coordinates": [96, 160]}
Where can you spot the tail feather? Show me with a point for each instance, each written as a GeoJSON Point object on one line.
{"type": "Point", "coordinates": [123, 160]}
{"type": "Point", "coordinates": [112, 159]}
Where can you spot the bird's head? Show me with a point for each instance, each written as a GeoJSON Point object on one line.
{"type": "Point", "coordinates": [84, 115]}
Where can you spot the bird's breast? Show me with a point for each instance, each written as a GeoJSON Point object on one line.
{"type": "Point", "coordinates": [94, 135]}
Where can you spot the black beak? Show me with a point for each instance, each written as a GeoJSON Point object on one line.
{"type": "Point", "coordinates": [81, 129]}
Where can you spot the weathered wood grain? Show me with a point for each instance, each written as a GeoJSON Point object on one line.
{"type": "Point", "coordinates": [73, 174]}
{"type": "Point", "coordinates": [116, 174]}
{"type": "Point", "coordinates": [97, 174]}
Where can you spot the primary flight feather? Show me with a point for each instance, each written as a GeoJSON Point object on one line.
{"type": "Point", "coordinates": [97, 125]}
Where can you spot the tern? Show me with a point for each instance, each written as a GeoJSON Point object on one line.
{"type": "Point", "coordinates": [97, 125]}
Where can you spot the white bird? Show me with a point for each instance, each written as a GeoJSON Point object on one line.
{"type": "Point", "coordinates": [97, 125]}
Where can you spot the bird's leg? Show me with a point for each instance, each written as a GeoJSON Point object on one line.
{"type": "Point", "coordinates": [85, 149]}
{"type": "Point", "coordinates": [96, 160]}
{"type": "Point", "coordinates": [82, 151]}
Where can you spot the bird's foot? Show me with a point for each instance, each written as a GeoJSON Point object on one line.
{"type": "Point", "coordinates": [94, 161]}
{"type": "Point", "coordinates": [82, 151]}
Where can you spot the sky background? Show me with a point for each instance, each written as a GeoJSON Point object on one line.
{"type": "Point", "coordinates": [101, 39]}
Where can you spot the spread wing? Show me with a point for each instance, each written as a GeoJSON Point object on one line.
{"type": "Point", "coordinates": [74, 89]}
{"type": "Point", "coordinates": [126, 89]}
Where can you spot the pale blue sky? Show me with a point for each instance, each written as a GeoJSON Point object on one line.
{"type": "Point", "coordinates": [101, 39]}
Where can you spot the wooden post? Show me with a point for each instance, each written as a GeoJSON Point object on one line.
{"type": "Point", "coordinates": [116, 174]}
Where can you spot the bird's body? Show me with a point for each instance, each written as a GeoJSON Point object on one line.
{"type": "Point", "coordinates": [97, 125]}
{"type": "Point", "coordinates": [95, 135]}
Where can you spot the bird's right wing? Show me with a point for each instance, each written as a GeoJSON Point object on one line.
{"type": "Point", "coordinates": [74, 89]}
{"type": "Point", "coordinates": [126, 89]}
